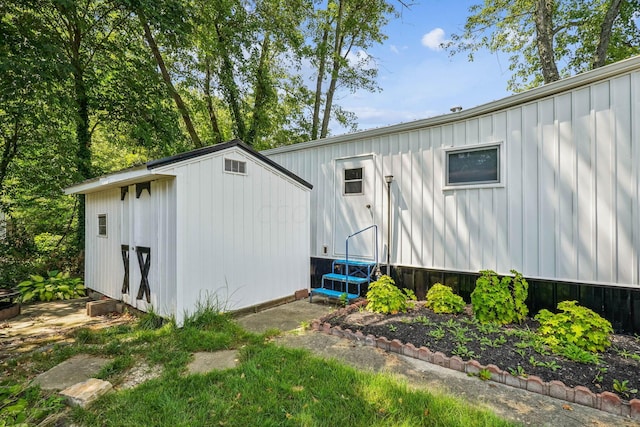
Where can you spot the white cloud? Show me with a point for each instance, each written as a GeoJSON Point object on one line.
{"type": "Point", "coordinates": [434, 39]}
{"type": "Point", "coordinates": [394, 49]}
{"type": "Point", "coordinates": [361, 59]}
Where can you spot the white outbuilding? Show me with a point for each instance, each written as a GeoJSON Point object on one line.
{"type": "Point", "coordinates": [222, 223]}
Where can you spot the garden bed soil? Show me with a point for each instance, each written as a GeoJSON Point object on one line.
{"type": "Point", "coordinates": [508, 347]}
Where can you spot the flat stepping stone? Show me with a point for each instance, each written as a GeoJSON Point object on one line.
{"type": "Point", "coordinates": [72, 371]}
{"type": "Point", "coordinates": [86, 392]}
{"type": "Point", "coordinates": [205, 362]}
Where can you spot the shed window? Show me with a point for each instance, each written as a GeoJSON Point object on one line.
{"type": "Point", "coordinates": [235, 166]}
{"type": "Point", "coordinates": [102, 225]}
{"type": "Point", "coordinates": [353, 181]}
{"type": "Point", "coordinates": [473, 166]}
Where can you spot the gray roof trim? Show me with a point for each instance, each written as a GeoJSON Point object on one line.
{"type": "Point", "coordinates": [224, 146]}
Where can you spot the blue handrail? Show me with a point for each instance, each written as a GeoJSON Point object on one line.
{"type": "Point", "coordinates": [375, 227]}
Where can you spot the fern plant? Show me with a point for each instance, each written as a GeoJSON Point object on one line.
{"type": "Point", "coordinates": [385, 297]}
{"type": "Point", "coordinates": [500, 300]}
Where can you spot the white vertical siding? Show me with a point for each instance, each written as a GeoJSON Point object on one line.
{"type": "Point", "coordinates": [569, 207]}
{"type": "Point", "coordinates": [104, 269]}
{"type": "Point", "coordinates": [242, 239]}
{"type": "Point", "coordinates": [163, 287]}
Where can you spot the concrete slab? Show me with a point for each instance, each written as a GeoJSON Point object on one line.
{"type": "Point", "coordinates": [285, 317]}
{"type": "Point", "coordinates": [72, 371]}
{"type": "Point", "coordinates": [205, 362]}
{"type": "Point", "coordinates": [86, 392]}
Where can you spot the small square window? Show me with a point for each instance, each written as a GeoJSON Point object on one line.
{"type": "Point", "coordinates": [235, 166]}
{"type": "Point", "coordinates": [473, 166]}
{"type": "Point", "coordinates": [102, 225]}
{"type": "Point", "coordinates": [353, 182]}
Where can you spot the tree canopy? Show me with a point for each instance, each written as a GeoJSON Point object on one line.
{"type": "Point", "coordinates": [550, 39]}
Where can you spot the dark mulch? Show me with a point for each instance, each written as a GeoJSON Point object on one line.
{"type": "Point", "coordinates": [510, 347]}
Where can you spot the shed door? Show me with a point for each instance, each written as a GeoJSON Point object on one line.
{"type": "Point", "coordinates": [355, 201]}
{"type": "Point", "coordinates": [138, 246]}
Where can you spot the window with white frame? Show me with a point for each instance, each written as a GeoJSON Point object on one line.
{"type": "Point", "coordinates": [353, 181]}
{"type": "Point", "coordinates": [235, 166]}
{"type": "Point", "coordinates": [102, 225]}
{"type": "Point", "coordinates": [473, 166]}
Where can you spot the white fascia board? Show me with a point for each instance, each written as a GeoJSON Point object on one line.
{"type": "Point", "coordinates": [564, 85]}
{"type": "Point", "coordinates": [118, 179]}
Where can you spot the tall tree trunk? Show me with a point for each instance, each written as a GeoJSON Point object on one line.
{"type": "Point", "coordinates": [335, 69]}
{"type": "Point", "coordinates": [260, 92]}
{"type": "Point", "coordinates": [9, 151]}
{"type": "Point", "coordinates": [318, 98]}
{"type": "Point", "coordinates": [544, 40]}
{"type": "Point", "coordinates": [182, 108]}
{"type": "Point", "coordinates": [215, 129]}
{"type": "Point", "coordinates": [83, 135]}
{"type": "Point", "coordinates": [600, 56]}
{"type": "Point", "coordinates": [230, 87]}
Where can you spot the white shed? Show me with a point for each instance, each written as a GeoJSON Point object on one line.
{"type": "Point", "coordinates": [221, 222]}
{"type": "Point", "coordinates": [545, 182]}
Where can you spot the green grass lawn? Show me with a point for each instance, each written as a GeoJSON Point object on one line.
{"type": "Point", "coordinates": [271, 386]}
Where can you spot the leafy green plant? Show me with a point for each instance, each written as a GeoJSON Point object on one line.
{"type": "Point", "coordinates": [424, 320]}
{"type": "Point", "coordinates": [518, 371]}
{"type": "Point", "coordinates": [495, 343]}
{"type": "Point", "coordinates": [437, 334]}
{"type": "Point", "coordinates": [575, 325]}
{"type": "Point", "coordinates": [623, 388]}
{"type": "Point", "coordinates": [577, 354]}
{"type": "Point", "coordinates": [550, 364]}
{"type": "Point", "coordinates": [500, 300]}
{"type": "Point", "coordinates": [441, 299]}
{"type": "Point", "coordinates": [344, 299]}
{"type": "Point", "coordinates": [392, 328]}
{"type": "Point", "coordinates": [484, 374]}
{"type": "Point", "coordinates": [462, 351]}
{"type": "Point", "coordinates": [600, 375]}
{"type": "Point", "coordinates": [384, 297]}
{"type": "Point", "coordinates": [24, 406]}
{"type": "Point", "coordinates": [56, 286]}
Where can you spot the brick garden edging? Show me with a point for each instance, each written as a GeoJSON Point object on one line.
{"type": "Point", "coordinates": [605, 401]}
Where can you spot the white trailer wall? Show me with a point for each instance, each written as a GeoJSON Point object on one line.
{"type": "Point", "coordinates": [568, 209]}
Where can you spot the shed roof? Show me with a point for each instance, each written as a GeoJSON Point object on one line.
{"type": "Point", "coordinates": [145, 171]}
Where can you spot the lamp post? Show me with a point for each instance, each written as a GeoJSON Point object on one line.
{"type": "Point", "coordinates": [388, 179]}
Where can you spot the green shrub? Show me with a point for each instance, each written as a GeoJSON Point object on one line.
{"type": "Point", "coordinates": [574, 325]}
{"type": "Point", "coordinates": [384, 297]}
{"type": "Point", "coordinates": [57, 285]}
{"type": "Point", "coordinates": [441, 299]}
{"type": "Point", "coordinates": [500, 300]}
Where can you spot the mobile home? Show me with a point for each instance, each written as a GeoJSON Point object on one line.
{"type": "Point", "coordinates": [544, 182]}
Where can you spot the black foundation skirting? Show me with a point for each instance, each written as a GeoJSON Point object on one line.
{"type": "Point", "coordinates": [621, 306]}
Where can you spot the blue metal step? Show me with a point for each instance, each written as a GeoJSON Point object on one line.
{"type": "Point", "coordinates": [332, 293]}
{"type": "Point", "coordinates": [355, 263]}
{"type": "Point", "coordinates": [342, 278]}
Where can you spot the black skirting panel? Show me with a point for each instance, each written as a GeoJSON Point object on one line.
{"type": "Point", "coordinates": [621, 306]}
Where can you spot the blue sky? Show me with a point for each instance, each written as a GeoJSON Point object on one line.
{"type": "Point", "coordinates": [419, 80]}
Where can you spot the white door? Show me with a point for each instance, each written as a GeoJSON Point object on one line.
{"type": "Point", "coordinates": [355, 201]}
{"type": "Point", "coordinates": [138, 233]}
